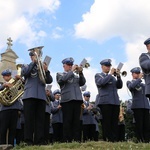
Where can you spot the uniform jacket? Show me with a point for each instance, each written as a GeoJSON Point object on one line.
{"type": "Point", "coordinates": [56, 113]}
{"type": "Point", "coordinates": [96, 122]}
{"type": "Point", "coordinates": [137, 88]}
{"type": "Point", "coordinates": [70, 86]}
{"type": "Point", "coordinates": [34, 88]}
{"type": "Point", "coordinates": [144, 61]}
{"type": "Point", "coordinates": [107, 86]}
{"type": "Point", "coordinates": [88, 116]}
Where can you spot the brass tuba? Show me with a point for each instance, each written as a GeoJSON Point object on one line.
{"type": "Point", "coordinates": [10, 94]}
{"type": "Point", "coordinates": [38, 53]}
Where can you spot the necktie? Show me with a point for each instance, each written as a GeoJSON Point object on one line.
{"type": "Point", "coordinates": [87, 104]}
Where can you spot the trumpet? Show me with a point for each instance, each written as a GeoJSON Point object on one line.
{"type": "Point", "coordinates": [83, 64]}
{"type": "Point", "coordinates": [123, 73]}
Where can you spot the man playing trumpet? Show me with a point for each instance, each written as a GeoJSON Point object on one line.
{"type": "Point", "coordinates": [108, 99]}
{"type": "Point", "coordinates": [140, 105]}
{"type": "Point", "coordinates": [71, 99]}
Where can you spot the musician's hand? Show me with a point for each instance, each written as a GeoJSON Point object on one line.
{"type": "Point", "coordinates": [80, 69]}
{"type": "Point", "coordinates": [112, 71]}
{"type": "Point", "coordinates": [34, 59]}
{"type": "Point", "coordinates": [59, 106]}
{"type": "Point", "coordinates": [141, 75]}
{"type": "Point", "coordinates": [17, 77]}
{"type": "Point", "coordinates": [89, 107]}
{"type": "Point", "coordinates": [83, 106]}
{"type": "Point", "coordinates": [45, 67]}
{"type": "Point", "coordinates": [7, 85]}
{"type": "Point", "coordinates": [118, 73]}
{"type": "Point", "coordinates": [48, 93]}
{"type": "Point", "coordinates": [74, 67]}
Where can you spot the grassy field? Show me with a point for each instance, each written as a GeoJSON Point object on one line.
{"type": "Point", "coordinates": [89, 146]}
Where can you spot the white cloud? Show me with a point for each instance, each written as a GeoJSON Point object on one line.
{"type": "Point", "coordinates": [19, 19]}
{"type": "Point", "coordinates": [90, 81]}
{"type": "Point", "coordinates": [56, 33]}
{"type": "Point", "coordinates": [106, 19]}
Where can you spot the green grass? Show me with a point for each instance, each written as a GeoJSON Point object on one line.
{"type": "Point", "coordinates": [101, 145]}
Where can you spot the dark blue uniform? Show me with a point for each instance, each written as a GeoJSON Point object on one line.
{"type": "Point", "coordinates": [71, 100]}
{"type": "Point", "coordinates": [34, 99]}
{"type": "Point", "coordinates": [108, 101]}
{"type": "Point", "coordinates": [140, 107]}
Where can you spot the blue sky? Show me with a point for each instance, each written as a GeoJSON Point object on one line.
{"type": "Point", "coordinates": [91, 29]}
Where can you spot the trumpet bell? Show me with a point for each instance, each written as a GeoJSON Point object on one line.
{"type": "Point", "coordinates": [124, 73]}
{"type": "Point", "coordinates": [87, 65]}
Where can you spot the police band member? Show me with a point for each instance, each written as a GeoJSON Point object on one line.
{"type": "Point", "coordinates": [9, 114]}
{"type": "Point", "coordinates": [89, 126]}
{"type": "Point", "coordinates": [57, 118]}
{"type": "Point", "coordinates": [144, 61]}
{"type": "Point", "coordinates": [49, 99]}
{"type": "Point", "coordinates": [140, 105]}
{"type": "Point", "coordinates": [71, 99]}
{"type": "Point", "coordinates": [20, 124]}
{"type": "Point", "coordinates": [34, 99]}
{"type": "Point", "coordinates": [107, 86]}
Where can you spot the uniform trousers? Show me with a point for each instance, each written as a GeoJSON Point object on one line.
{"type": "Point", "coordinates": [110, 115]}
{"type": "Point", "coordinates": [142, 124]}
{"type": "Point", "coordinates": [8, 122]}
{"type": "Point", "coordinates": [88, 132]}
{"type": "Point", "coordinates": [57, 132]}
{"type": "Point", "coordinates": [34, 113]}
{"type": "Point", "coordinates": [121, 132]}
{"type": "Point", "coordinates": [46, 127]}
{"type": "Point", "coordinates": [71, 120]}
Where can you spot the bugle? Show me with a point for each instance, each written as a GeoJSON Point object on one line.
{"type": "Point", "coordinates": [124, 73]}
{"type": "Point", "coordinates": [118, 72]}
{"type": "Point", "coordinates": [83, 64]}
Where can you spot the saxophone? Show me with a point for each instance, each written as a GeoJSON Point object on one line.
{"type": "Point", "coordinates": [10, 94]}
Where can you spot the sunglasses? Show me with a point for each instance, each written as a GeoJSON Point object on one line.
{"type": "Point", "coordinates": [69, 64]}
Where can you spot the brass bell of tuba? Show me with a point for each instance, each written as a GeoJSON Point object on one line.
{"type": "Point", "coordinates": [10, 94]}
{"type": "Point", "coordinates": [38, 53]}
